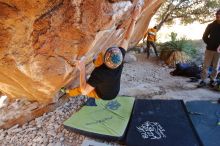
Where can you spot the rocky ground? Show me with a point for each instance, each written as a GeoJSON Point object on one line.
{"type": "Point", "coordinates": [46, 130]}
{"type": "Point", "coordinates": [144, 78]}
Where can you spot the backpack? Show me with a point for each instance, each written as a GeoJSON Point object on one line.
{"type": "Point", "coordinates": [187, 70]}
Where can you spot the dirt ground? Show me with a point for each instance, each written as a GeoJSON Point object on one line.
{"type": "Point", "coordinates": [150, 78]}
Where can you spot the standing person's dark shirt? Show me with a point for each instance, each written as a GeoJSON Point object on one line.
{"type": "Point", "coordinates": [212, 36]}
{"type": "Point", "coordinates": [106, 81]}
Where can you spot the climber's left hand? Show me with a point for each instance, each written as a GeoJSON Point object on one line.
{"type": "Point", "coordinates": [80, 65]}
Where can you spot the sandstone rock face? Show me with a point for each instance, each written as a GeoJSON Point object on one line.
{"type": "Point", "coordinates": [40, 40]}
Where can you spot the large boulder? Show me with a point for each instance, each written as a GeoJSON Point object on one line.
{"type": "Point", "coordinates": [130, 57]}
{"type": "Point", "coordinates": [40, 40]}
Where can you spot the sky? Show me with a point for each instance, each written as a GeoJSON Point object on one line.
{"type": "Point", "coordinates": [192, 31]}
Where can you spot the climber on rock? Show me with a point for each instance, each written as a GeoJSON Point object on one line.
{"type": "Point", "coordinates": [104, 82]}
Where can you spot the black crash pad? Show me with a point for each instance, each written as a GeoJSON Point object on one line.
{"type": "Point", "coordinates": [161, 123]}
{"type": "Point", "coordinates": [205, 116]}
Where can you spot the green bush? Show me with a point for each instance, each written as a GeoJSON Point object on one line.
{"type": "Point", "coordinates": [175, 44]}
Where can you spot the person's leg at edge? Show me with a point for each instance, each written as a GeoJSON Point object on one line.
{"type": "Point", "coordinates": [207, 62]}
{"type": "Point", "coordinates": [155, 48]}
{"type": "Point", "coordinates": [144, 46]}
{"type": "Point", "coordinates": [215, 63]}
{"type": "Point", "coordinates": [148, 49]}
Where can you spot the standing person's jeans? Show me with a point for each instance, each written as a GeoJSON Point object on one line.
{"type": "Point", "coordinates": [211, 58]}
{"type": "Point", "coordinates": [149, 43]}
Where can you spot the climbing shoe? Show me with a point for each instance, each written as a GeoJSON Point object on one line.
{"type": "Point", "coordinates": [64, 90]}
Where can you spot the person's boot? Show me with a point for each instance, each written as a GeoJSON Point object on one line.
{"type": "Point", "coordinates": [212, 83]}
{"type": "Point", "coordinates": [202, 84]}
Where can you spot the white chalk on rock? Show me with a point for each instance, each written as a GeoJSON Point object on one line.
{"type": "Point", "coordinates": [82, 58]}
{"type": "Point", "coordinates": [140, 3]}
{"type": "Point", "coordinates": [120, 8]}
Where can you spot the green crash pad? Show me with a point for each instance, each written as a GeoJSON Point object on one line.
{"type": "Point", "coordinates": [108, 120]}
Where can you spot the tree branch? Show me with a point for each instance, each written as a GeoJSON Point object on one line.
{"type": "Point", "coordinates": [186, 10]}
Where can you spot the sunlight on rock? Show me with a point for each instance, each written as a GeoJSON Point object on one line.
{"type": "Point", "coordinates": [3, 101]}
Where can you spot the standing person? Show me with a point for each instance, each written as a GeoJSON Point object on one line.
{"type": "Point", "coordinates": [212, 38]}
{"type": "Point", "coordinates": [104, 82]}
{"type": "Point", "coordinates": [151, 35]}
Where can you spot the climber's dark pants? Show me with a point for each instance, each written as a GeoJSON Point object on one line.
{"type": "Point", "coordinates": [149, 43]}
